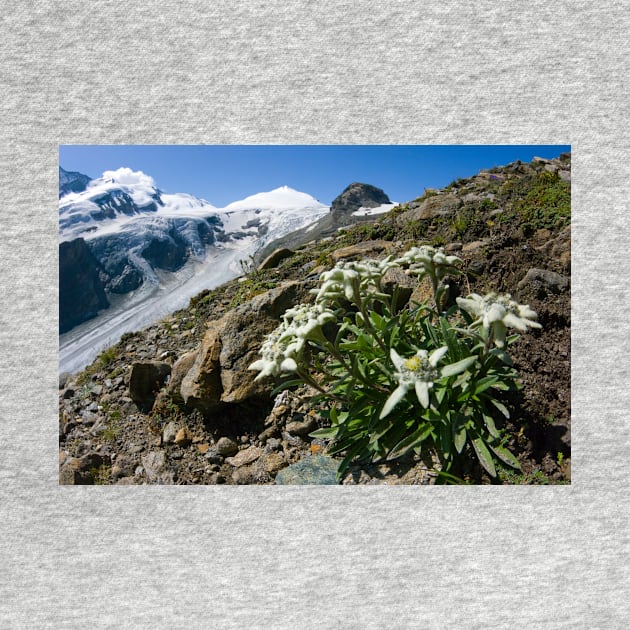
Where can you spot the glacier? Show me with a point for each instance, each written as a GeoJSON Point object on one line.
{"type": "Point", "coordinates": [124, 218]}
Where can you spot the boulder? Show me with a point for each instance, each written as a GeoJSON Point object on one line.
{"type": "Point", "coordinates": [226, 447]}
{"type": "Point", "coordinates": [434, 206]}
{"type": "Point", "coordinates": [554, 282]}
{"type": "Point", "coordinates": [178, 373]}
{"type": "Point", "coordinates": [313, 470]}
{"type": "Point", "coordinates": [82, 470]}
{"type": "Point", "coordinates": [220, 371]}
{"type": "Point", "coordinates": [275, 258]}
{"type": "Point", "coordinates": [155, 468]}
{"type": "Point", "coordinates": [395, 279]}
{"type": "Point", "coordinates": [145, 381]}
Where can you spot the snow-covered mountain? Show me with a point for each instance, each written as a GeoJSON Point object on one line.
{"type": "Point", "coordinates": [122, 237]}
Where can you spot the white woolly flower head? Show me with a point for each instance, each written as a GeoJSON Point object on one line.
{"type": "Point", "coordinates": [428, 260]}
{"type": "Point", "coordinates": [418, 372]}
{"type": "Point", "coordinates": [352, 280]}
{"type": "Point", "coordinates": [278, 353]}
{"type": "Point", "coordinates": [497, 312]}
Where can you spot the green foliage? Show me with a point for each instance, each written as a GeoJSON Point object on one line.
{"type": "Point", "coordinates": [107, 356]}
{"type": "Point", "coordinates": [113, 428]}
{"type": "Point", "coordinates": [535, 477]}
{"type": "Point", "coordinates": [101, 475]}
{"type": "Point", "coordinates": [392, 382]}
{"type": "Point", "coordinates": [250, 288]}
{"type": "Point", "coordinates": [543, 201]}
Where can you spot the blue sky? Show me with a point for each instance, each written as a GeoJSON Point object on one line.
{"type": "Point", "coordinates": [221, 174]}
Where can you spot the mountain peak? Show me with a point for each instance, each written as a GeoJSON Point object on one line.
{"type": "Point", "coordinates": [282, 198]}
{"type": "Point", "coordinates": [356, 196]}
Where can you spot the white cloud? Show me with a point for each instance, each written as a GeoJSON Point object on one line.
{"type": "Point", "coordinates": [127, 177]}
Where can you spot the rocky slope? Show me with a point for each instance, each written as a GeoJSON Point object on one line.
{"type": "Point", "coordinates": [355, 204]}
{"type": "Point", "coordinates": [174, 403]}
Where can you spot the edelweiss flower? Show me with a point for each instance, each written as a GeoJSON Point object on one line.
{"type": "Point", "coordinates": [352, 280]}
{"type": "Point", "coordinates": [304, 322]}
{"type": "Point", "coordinates": [278, 351]}
{"type": "Point", "coordinates": [428, 260]}
{"type": "Point", "coordinates": [419, 372]}
{"type": "Point", "coordinates": [497, 312]}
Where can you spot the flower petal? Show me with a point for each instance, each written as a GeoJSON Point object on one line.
{"type": "Point", "coordinates": [397, 360]}
{"type": "Point", "coordinates": [515, 322]}
{"type": "Point", "coordinates": [437, 355]}
{"type": "Point", "coordinates": [397, 395]}
{"type": "Point", "coordinates": [422, 391]}
{"type": "Point", "coordinates": [288, 365]}
{"type": "Point", "coordinates": [499, 334]}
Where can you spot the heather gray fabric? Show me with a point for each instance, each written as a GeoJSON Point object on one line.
{"type": "Point", "coordinates": [301, 72]}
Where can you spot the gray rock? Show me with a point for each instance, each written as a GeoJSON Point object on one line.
{"type": "Point", "coordinates": [365, 249]}
{"type": "Point", "coordinates": [226, 447]}
{"type": "Point", "coordinates": [396, 279]}
{"type": "Point", "coordinates": [213, 457]}
{"type": "Point", "coordinates": [313, 470]}
{"type": "Point", "coordinates": [154, 464]}
{"type": "Point", "coordinates": [169, 433]}
{"type": "Point", "coordinates": [247, 475]}
{"type": "Point", "coordinates": [81, 470]}
{"type": "Point", "coordinates": [555, 282]}
{"type": "Point", "coordinates": [302, 427]}
{"type": "Point", "coordinates": [273, 444]}
{"type": "Point", "coordinates": [244, 457]}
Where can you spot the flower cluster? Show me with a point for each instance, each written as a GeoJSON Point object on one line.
{"type": "Point", "coordinates": [360, 373]}
{"type": "Point", "coordinates": [278, 354]}
{"type": "Point", "coordinates": [285, 344]}
{"type": "Point", "coordinates": [496, 312]}
{"type": "Point", "coordinates": [353, 280]}
{"type": "Point", "coordinates": [305, 321]}
{"type": "Point", "coordinates": [428, 260]}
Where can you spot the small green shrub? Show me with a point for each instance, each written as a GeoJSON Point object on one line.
{"type": "Point", "coordinates": [443, 372]}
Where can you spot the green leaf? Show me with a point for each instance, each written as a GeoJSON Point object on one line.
{"type": "Point", "coordinates": [457, 368]}
{"type": "Point", "coordinates": [483, 455]}
{"type": "Point", "coordinates": [489, 422]}
{"type": "Point", "coordinates": [485, 383]}
{"type": "Point", "coordinates": [356, 450]}
{"type": "Point", "coordinates": [411, 441]}
{"type": "Point", "coordinates": [329, 432]}
{"type": "Point", "coordinates": [377, 320]}
{"type": "Point", "coordinates": [459, 432]}
{"type": "Point", "coordinates": [504, 455]}
{"type": "Point", "coordinates": [501, 407]}
{"type": "Point", "coordinates": [439, 393]}
{"type": "Point", "coordinates": [446, 440]}
{"type": "Point", "coordinates": [502, 355]}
